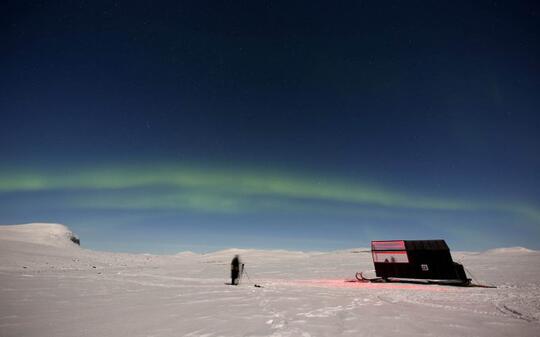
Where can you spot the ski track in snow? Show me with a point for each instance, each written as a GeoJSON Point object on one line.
{"type": "Point", "coordinates": [53, 288]}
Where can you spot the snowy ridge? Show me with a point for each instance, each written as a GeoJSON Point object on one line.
{"type": "Point", "coordinates": [258, 252]}
{"type": "Point", "coordinates": [49, 234]}
{"type": "Point", "coordinates": [510, 250]}
{"type": "Point", "coordinates": [187, 253]}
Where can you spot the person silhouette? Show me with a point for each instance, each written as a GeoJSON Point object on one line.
{"type": "Point", "coordinates": [235, 270]}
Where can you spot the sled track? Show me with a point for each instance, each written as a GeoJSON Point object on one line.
{"type": "Point", "coordinates": [503, 309]}
{"type": "Point", "coordinates": [514, 313]}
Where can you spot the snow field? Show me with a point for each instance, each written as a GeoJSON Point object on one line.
{"type": "Point", "coordinates": [60, 289]}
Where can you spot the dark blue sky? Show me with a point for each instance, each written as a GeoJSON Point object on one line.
{"type": "Point", "coordinates": [202, 125]}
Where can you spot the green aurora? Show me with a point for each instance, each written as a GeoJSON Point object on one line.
{"type": "Point", "coordinates": [231, 191]}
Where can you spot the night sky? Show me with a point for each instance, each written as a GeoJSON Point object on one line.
{"type": "Point", "coordinates": [162, 126]}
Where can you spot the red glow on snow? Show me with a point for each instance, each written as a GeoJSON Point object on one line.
{"type": "Point", "coordinates": [340, 283]}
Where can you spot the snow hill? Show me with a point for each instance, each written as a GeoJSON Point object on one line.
{"type": "Point", "coordinates": [39, 233]}
{"type": "Point", "coordinates": [49, 286]}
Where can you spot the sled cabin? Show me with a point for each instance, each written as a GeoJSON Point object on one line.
{"type": "Point", "coordinates": [416, 259]}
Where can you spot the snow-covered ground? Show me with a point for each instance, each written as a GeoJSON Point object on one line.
{"type": "Point", "coordinates": [51, 287]}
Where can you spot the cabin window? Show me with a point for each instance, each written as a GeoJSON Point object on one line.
{"type": "Point", "coordinates": [390, 257]}
{"type": "Point", "coordinates": [388, 245]}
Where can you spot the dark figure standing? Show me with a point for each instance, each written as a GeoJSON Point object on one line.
{"type": "Point", "coordinates": [235, 270]}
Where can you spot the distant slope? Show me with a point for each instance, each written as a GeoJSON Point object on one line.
{"type": "Point", "coordinates": [55, 235]}
{"type": "Point", "coordinates": [510, 250]}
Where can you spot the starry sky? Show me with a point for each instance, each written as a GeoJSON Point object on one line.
{"type": "Point", "coordinates": [165, 126]}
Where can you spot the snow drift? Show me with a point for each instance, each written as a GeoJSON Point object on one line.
{"type": "Point", "coordinates": [40, 233]}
